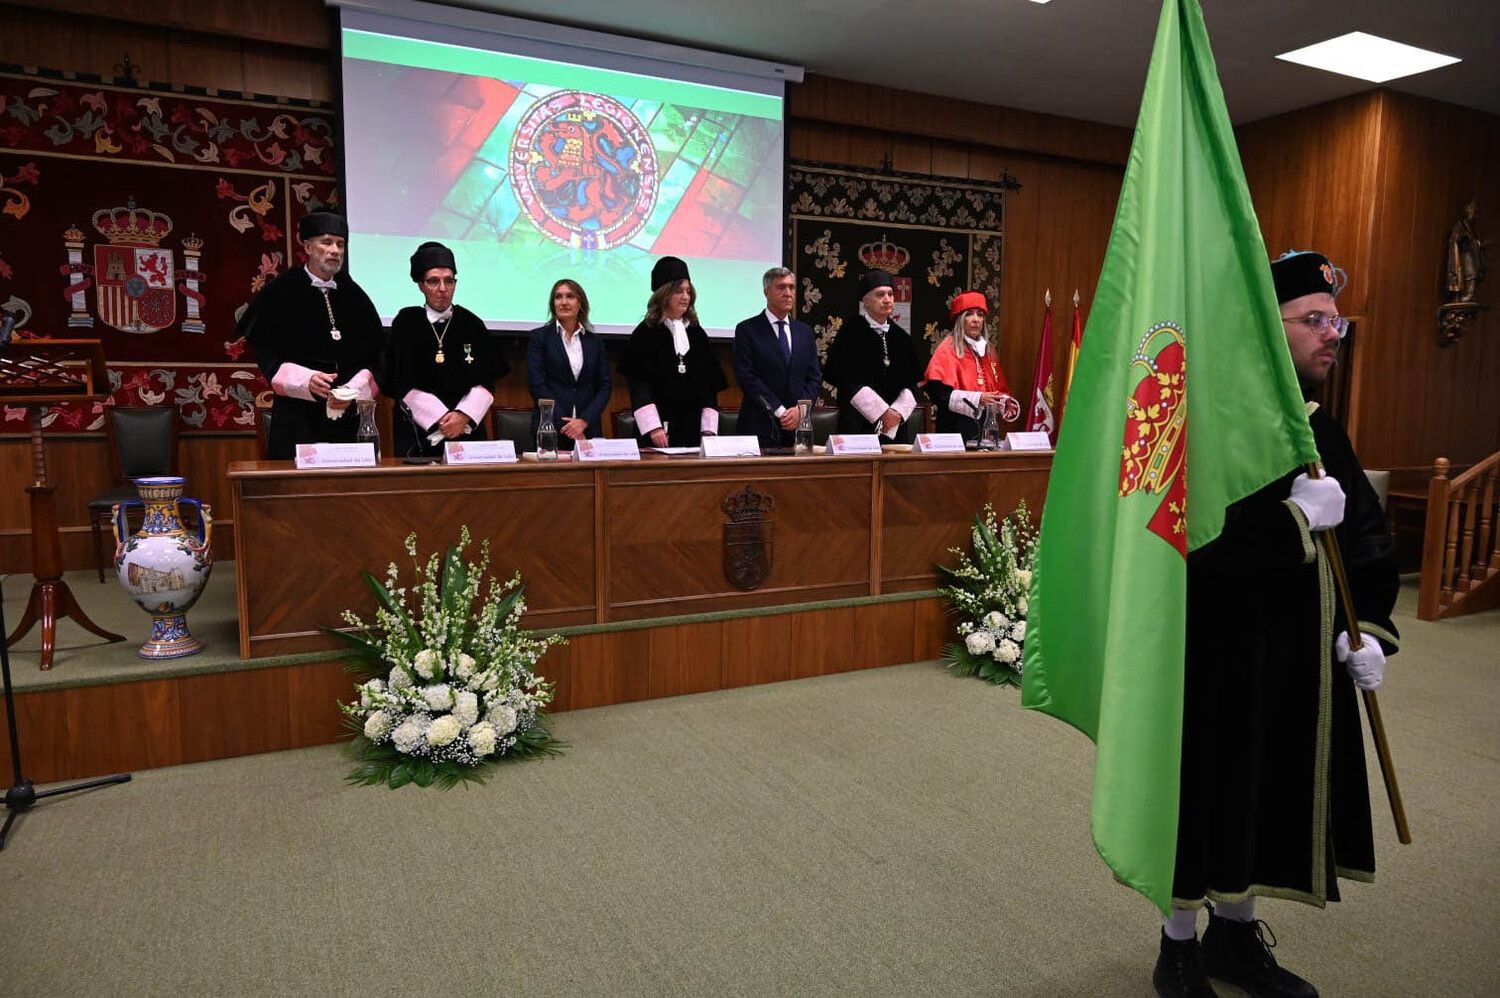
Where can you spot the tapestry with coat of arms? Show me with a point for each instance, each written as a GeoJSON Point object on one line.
{"type": "Point", "coordinates": [936, 236]}
{"type": "Point", "coordinates": [147, 218]}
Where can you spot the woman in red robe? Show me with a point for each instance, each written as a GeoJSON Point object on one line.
{"type": "Point", "coordinates": [964, 373]}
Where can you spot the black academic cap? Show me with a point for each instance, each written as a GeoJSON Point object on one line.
{"type": "Point", "coordinates": [873, 279]}
{"type": "Point", "coordinates": [668, 270]}
{"type": "Point", "coordinates": [430, 255]}
{"type": "Point", "coordinates": [322, 223]}
{"type": "Point", "coordinates": [1302, 272]}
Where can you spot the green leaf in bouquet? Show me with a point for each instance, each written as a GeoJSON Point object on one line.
{"type": "Point", "coordinates": [423, 772]}
{"type": "Point", "coordinates": [401, 774]}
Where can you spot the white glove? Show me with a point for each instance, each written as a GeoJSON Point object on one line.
{"type": "Point", "coordinates": [1321, 501]}
{"type": "Point", "coordinates": [1366, 664]}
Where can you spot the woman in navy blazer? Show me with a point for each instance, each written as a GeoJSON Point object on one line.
{"type": "Point", "coordinates": [565, 362]}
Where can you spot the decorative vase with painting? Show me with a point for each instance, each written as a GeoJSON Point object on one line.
{"type": "Point", "coordinates": [162, 566]}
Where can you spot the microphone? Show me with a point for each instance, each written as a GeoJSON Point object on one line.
{"type": "Point", "coordinates": [771, 411]}
{"type": "Point", "coordinates": [413, 455]}
{"type": "Point", "coordinates": [8, 324]}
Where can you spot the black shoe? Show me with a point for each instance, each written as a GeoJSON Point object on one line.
{"type": "Point", "coordinates": [1237, 953]}
{"type": "Point", "coordinates": [1179, 970]}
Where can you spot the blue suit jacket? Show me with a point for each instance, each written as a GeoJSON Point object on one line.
{"type": "Point", "coordinates": [768, 380]}
{"type": "Point", "coordinates": [550, 376]}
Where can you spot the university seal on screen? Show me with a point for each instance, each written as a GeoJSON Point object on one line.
{"type": "Point", "coordinates": [584, 170]}
{"type": "Point", "coordinates": [747, 538]}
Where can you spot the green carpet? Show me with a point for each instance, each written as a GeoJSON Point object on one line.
{"type": "Point", "coordinates": [888, 832]}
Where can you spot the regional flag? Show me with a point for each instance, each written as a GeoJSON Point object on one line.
{"type": "Point", "coordinates": [1187, 402]}
{"type": "Point", "coordinates": [1044, 385]}
{"type": "Point", "coordinates": [1077, 346]}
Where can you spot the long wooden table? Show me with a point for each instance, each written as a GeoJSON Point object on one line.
{"type": "Point", "coordinates": [597, 543]}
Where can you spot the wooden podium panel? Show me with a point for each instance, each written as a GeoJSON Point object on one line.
{"type": "Point", "coordinates": [929, 507]}
{"type": "Point", "coordinates": [611, 541]}
{"type": "Point", "coordinates": [665, 534]}
{"type": "Point", "coordinates": [304, 536]}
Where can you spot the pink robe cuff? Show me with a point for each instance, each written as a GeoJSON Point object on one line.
{"type": "Point", "coordinates": [709, 421]}
{"type": "Point", "coordinates": [364, 383]}
{"type": "Point", "coordinates": [475, 404]}
{"type": "Point", "coordinates": [905, 404]}
{"type": "Point", "coordinates": [870, 405]}
{"type": "Point", "coordinates": [291, 380]}
{"type": "Point", "coordinates": [647, 419]}
{"type": "Point", "coordinates": [425, 408]}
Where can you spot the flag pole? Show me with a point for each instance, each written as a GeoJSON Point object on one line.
{"type": "Point", "coordinates": [1372, 705]}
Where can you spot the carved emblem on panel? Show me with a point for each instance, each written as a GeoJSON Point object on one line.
{"type": "Point", "coordinates": [747, 538]}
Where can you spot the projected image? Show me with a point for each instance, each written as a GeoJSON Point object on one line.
{"type": "Point", "coordinates": [532, 180]}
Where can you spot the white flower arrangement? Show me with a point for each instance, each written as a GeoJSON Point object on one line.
{"type": "Point", "coordinates": [454, 686]}
{"type": "Point", "coordinates": [988, 591]}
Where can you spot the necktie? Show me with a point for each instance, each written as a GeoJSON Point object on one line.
{"type": "Point", "coordinates": [784, 340]}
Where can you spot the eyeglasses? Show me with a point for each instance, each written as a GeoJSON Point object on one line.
{"type": "Point", "coordinates": [1321, 322]}
{"type": "Point", "coordinates": [439, 282]}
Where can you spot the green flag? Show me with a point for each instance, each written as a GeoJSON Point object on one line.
{"type": "Point", "coordinates": [1184, 401]}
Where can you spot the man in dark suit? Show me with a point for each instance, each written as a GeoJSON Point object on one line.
{"type": "Point", "coordinates": [775, 363]}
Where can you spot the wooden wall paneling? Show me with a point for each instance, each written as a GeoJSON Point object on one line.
{"type": "Point", "coordinates": [555, 666]}
{"type": "Point", "coordinates": [607, 668]}
{"type": "Point", "coordinates": [757, 650]}
{"type": "Point", "coordinates": [684, 659]}
{"type": "Point", "coordinates": [932, 629]}
{"type": "Point", "coordinates": [305, 23]}
{"type": "Point", "coordinates": [314, 692]}
{"type": "Point", "coordinates": [96, 730]}
{"type": "Point", "coordinates": [884, 635]}
{"type": "Point", "coordinates": [234, 713]}
{"type": "Point", "coordinates": [823, 641]}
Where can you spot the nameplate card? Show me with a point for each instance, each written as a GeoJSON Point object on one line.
{"type": "Point", "coordinates": [479, 452]}
{"type": "Point", "coordinates": [854, 443]}
{"type": "Point", "coordinates": [336, 455]}
{"type": "Point", "coordinates": [938, 443]}
{"type": "Point", "coordinates": [1030, 440]}
{"type": "Point", "coordinates": [606, 449]}
{"type": "Point", "coordinates": [741, 446]}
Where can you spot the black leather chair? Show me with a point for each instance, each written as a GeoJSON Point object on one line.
{"type": "Point", "coordinates": [514, 425]}
{"type": "Point", "coordinates": [262, 428]}
{"type": "Point", "coordinates": [624, 421]}
{"type": "Point", "coordinates": [142, 443]}
{"type": "Point", "coordinates": [825, 421]}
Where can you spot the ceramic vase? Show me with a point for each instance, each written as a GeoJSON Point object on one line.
{"type": "Point", "coordinates": [162, 566]}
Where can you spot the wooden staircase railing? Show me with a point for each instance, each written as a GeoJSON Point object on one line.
{"type": "Point", "coordinates": [1461, 546]}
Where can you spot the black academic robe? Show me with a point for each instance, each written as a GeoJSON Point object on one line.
{"type": "Point", "coordinates": [649, 364]}
{"type": "Point", "coordinates": [1275, 796]}
{"type": "Point", "coordinates": [471, 358]}
{"type": "Point", "coordinates": [856, 360]}
{"type": "Point", "coordinates": [287, 323]}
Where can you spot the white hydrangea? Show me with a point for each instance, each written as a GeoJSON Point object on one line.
{"type": "Point", "coordinates": [466, 665]}
{"type": "Point", "coordinates": [1007, 652]}
{"type": "Point", "coordinates": [1023, 577]}
{"type": "Point", "coordinates": [426, 663]}
{"type": "Point", "coordinates": [1021, 606]}
{"type": "Point", "coordinates": [378, 725]}
{"type": "Point", "coordinates": [466, 708]}
{"type": "Point", "coordinates": [398, 679]}
{"type": "Point", "coordinates": [995, 620]}
{"type": "Point", "coordinates": [491, 681]}
{"type": "Point", "coordinates": [980, 643]}
{"type": "Point", "coordinates": [439, 696]}
{"type": "Point", "coordinates": [503, 717]}
{"type": "Point", "coordinates": [443, 731]}
{"type": "Point", "coordinates": [482, 738]}
{"type": "Point", "coordinates": [407, 736]}
{"type": "Point", "coordinates": [1018, 631]}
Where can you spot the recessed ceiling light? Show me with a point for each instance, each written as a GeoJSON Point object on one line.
{"type": "Point", "coordinates": [1368, 57]}
{"type": "Point", "coordinates": [1041, 1]}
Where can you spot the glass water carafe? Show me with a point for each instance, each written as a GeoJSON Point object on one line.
{"type": "Point", "coordinates": [989, 426]}
{"type": "Point", "coordinates": [803, 442]}
{"type": "Point", "coordinates": [546, 431]}
{"type": "Point", "coordinates": [368, 431]}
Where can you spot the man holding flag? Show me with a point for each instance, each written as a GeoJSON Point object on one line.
{"type": "Point", "coordinates": [1181, 615]}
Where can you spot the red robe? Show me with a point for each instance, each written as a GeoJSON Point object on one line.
{"type": "Point", "coordinates": [947, 372]}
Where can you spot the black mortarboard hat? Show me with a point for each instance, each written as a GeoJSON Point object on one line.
{"type": "Point", "coordinates": [429, 255]}
{"type": "Point", "coordinates": [322, 223]}
{"type": "Point", "coordinates": [873, 279]}
{"type": "Point", "coordinates": [1301, 272]}
{"type": "Point", "coordinates": [668, 270]}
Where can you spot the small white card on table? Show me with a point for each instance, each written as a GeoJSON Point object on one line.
{"type": "Point", "coordinates": [854, 443]}
{"type": "Point", "coordinates": [606, 449]}
{"type": "Point", "coordinates": [938, 443]}
{"type": "Point", "coordinates": [1030, 440]}
{"type": "Point", "coordinates": [479, 452]}
{"type": "Point", "coordinates": [737, 446]}
{"type": "Point", "coordinates": [335, 455]}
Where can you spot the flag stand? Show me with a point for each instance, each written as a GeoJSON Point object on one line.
{"type": "Point", "coordinates": [1372, 705]}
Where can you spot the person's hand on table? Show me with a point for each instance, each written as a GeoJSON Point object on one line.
{"type": "Point", "coordinates": [453, 424]}
{"type": "Point", "coordinates": [658, 437]}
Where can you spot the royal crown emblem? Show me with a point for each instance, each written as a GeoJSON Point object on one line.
{"type": "Point", "coordinates": [138, 278]}
{"type": "Point", "coordinates": [1154, 456]}
{"type": "Point", "coordinates": [884, 255]}
{"type": "Point", "coordinates": [747, 537]}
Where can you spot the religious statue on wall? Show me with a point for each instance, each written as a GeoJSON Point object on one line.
{"type": "Point", "coordinates": [1464, 265]}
